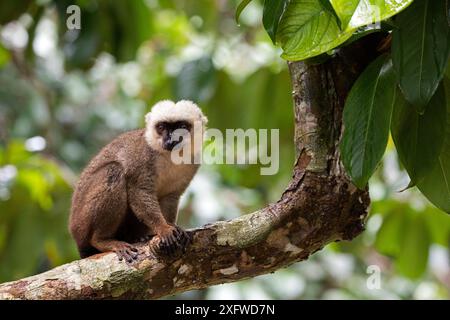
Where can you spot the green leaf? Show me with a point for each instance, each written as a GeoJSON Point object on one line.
{"type": "Point", "coordinates": [4, 56]}
{"type": "Point", "coordinates": [436, 185]}
{"type": "Point", "coordinates": [367, 116]}
{"type": "Point", "coordinates": [272, 13]}
{"type": "Point", "coordinates": [419, 138]}
{"type": "Point", "coordinates": [327, 6]}
{"type": "Point", "coordinates": [388, 237]}
{"type": "Point", "coordinates": [307, 29]}
{"type": "Point", "coordinates": [241, 8]}
{"type": "Point", "coordinates": [413, 256]}
{"type": "Point", "coordinates": [366, 30]}
{"type": "Point", "coordinates": [344, 10]}
{"type": "Point", "coordinates": [439, 226]}
{"type": "Point", "coordinates": [196, 81]}
{"type": "Point", "coordinates": [420, 50]}
{"type": "Point", "coordinates": [357, 13]}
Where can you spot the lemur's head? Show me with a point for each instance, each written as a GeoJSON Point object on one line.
{"type": "Point", "coordinates": [171, 125]}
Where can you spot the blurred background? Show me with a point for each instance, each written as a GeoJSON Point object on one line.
{"type": "Point", "coordinates": [65, 93]}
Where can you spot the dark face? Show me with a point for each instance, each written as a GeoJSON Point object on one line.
{"type": "Point", "coordinates": [166, 131]}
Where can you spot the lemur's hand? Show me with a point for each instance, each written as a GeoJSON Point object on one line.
{"type": "Point", "coordinates": [171, 239]}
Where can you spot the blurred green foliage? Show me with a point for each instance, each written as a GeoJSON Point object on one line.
{"type": "Point", "coordinates": [64, 94]}
{"type": "Point", "coordinates": [33, 210]}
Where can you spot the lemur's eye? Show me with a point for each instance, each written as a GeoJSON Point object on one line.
{"type": "Point", "coordinates": [160, 127]}
{"type": "Point", "coordinates": [183, 126]}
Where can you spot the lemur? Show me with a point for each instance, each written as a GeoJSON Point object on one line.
{"type": "Point", "coordinates": [130, 190]}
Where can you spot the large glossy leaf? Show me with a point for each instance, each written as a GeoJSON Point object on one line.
{"type": "Point", "coordinates": [413, 257]}
{"type": "Point", "coordinates": [328, 7]}
{"type": "Point", "coordinates": [367, 116]}
{"type": "Point", "coordinates": [307, 29]}
{"type": "Point", "coordinates": [419, 138]}
{"type": "Point", "coordinates": [420, 49]}
{"type": "Point", "coordinates": [436, 185]}
{"type": "Point", "coordinates": [272, 13]}
{"type": "Point", "coordinates": [356, 13]}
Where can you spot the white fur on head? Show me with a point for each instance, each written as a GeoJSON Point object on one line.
{"type": "Point", "coordinates": [167, 110]}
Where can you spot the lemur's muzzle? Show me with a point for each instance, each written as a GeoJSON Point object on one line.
{"type": "Point", "coordinates": [169, 144]}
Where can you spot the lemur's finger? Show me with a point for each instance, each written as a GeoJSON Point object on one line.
{"type": "Point", "coordinates": [133, 253]}
{"type": "Point", "coordinates": [175, 244]}
{"type": "Point", "coordinates": [180, 235]}
{"type": "Point", "coordinates": [171, 249]}
{"type": "Point", "coordinates": [178, 232]}
{"type": "Point", "coordinates": [166, 245]}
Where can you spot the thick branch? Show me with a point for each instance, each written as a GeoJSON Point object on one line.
{"type": "Point", "coordinates": [320, 205]}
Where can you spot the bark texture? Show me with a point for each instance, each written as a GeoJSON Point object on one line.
{"type": "Point", "coordinates": [319, 205]}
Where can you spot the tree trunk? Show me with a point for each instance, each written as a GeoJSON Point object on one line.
{"type": "Point", "coordinates": [320, 205]}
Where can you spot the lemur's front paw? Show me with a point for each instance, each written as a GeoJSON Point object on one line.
{"type": "Point", "coordinates": [172, 239]}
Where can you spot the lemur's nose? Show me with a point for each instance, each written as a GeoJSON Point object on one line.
{"type": "Point", "coordinates": [170, 144]}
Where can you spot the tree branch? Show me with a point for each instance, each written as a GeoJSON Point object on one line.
{"type": "Point", "coordinates": [320, 205]}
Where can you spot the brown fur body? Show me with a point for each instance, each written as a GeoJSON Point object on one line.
{"type": "Point", "coordinates": [127, 192]}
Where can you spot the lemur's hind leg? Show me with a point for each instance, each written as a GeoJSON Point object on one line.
{"type": "Point", "coordinates": [108, 206]}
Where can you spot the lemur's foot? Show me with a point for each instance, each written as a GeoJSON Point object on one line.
{"type": "Point", "coordinates": [127, 252]}
{"type": "Point", "coordinates": [172, 240]}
